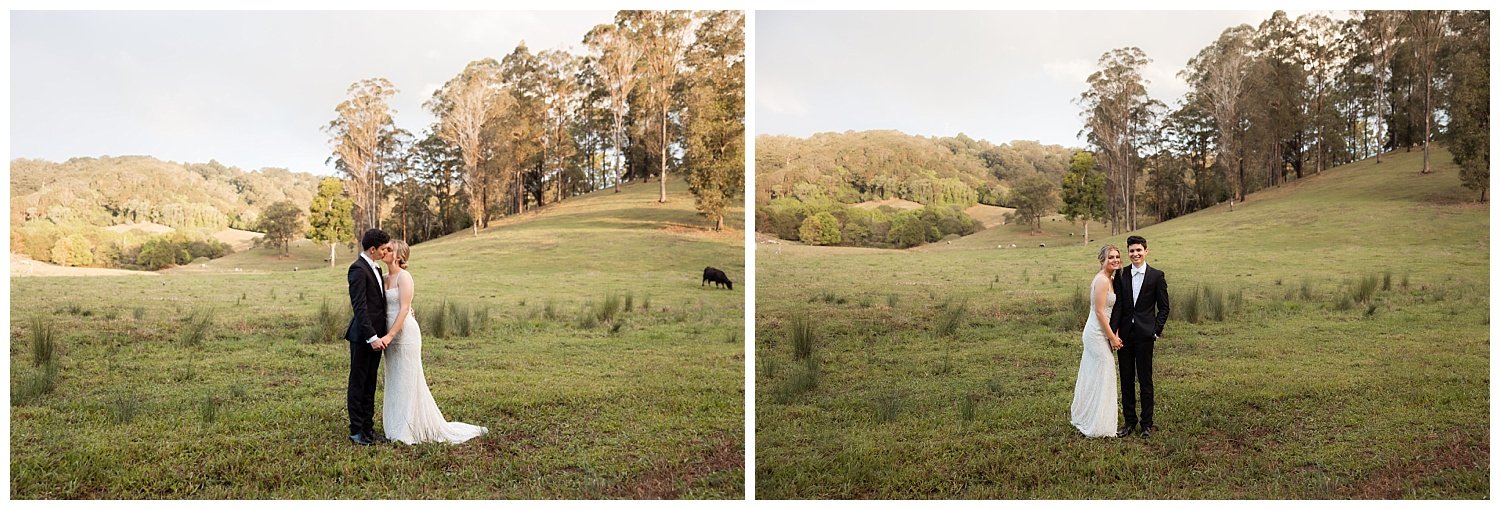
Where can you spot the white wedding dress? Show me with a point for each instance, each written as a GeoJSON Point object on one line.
{"type": "Point", "coordinates": [1096, 396]}
{"type": "Point", "coordinates": [411, 415]}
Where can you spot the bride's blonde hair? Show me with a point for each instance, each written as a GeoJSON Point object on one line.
{"type": "Point", "coordinates": [1103, 252]}
{"type": "Point", "coordinates": [403, 252]}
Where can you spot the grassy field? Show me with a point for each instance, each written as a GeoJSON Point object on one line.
{"type": "Point", "coordinates": [601, 367]}
{"type": "Point", "coordinates": [1328, 339]}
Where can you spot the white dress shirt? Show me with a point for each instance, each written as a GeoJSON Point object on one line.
{"type": "Point", "coordinates": [1137, 277]}
{"type": "Point", "coordinates": [376, 269]}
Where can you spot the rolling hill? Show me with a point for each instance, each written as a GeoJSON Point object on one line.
{"type": "Point", "coordinates": [1329, 339]}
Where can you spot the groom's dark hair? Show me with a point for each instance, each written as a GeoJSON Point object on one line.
{"type": "Point", "coordinates": [1136, 240]}
{"type": "Point", "coordinates": [374, 237]}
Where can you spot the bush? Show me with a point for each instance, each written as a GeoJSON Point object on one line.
{"type": "Point", "coordinates": [907, 230]}
{"type": "Point", "coordinates": [73, 250]}
{"type": "Point", "coordinates": [820, 229]}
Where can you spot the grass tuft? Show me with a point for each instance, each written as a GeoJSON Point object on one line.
{"type": "Point", "coordinates": [199, 328]}
{"type": "Point", "coordinates": [123, 409]}
{"type": "Point", "coordinates": [951, 317]}
{"type": "Point", "coordinates": [1192, 310]}
{"type": "Point", "coordinates": [802, 337]}
{"type": "Point", "coordinates": [328, 324]}
{"type": "Point", "coordinates": [43, 342]}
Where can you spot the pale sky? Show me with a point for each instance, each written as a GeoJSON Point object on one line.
{"type": "Point", "coordinates": [249, 89]}
{"type": "Point", "coordinates": [997, 76]}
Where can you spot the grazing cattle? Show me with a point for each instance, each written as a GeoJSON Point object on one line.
{"type": "Point", "coordinates": [718, 277]}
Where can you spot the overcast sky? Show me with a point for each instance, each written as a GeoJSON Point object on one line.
{"type": "Point", "coordinates": [249, 89]}
{"type": "Point", "coordinates": [998, 76]}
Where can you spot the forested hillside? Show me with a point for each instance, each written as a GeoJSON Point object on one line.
{"type": "Point", "coordinates": [135, 189]}
{"type": "Point", "coordinates": [59, 212]}
{"type": "Point", "coordinates": [852, 167]}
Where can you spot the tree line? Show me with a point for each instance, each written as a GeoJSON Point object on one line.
{"type": "Point", "coordinates": [1280, 101]}
{"type": "Point", "coordinates": [658, 94]}
{"type": "Point", "coordinates": [806, 188]}
{"type": "Point", "coordinates": [59, 212]}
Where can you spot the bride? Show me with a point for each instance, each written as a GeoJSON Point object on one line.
{"type": "Point", "coordinates": [411, 415]}
{"type": "Point", "coordinates": [1096, 396]}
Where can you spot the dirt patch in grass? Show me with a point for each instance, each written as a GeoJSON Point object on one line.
{"type": "Point", "coordinates": [666, 480]}
{"type": "Point", "coordinates": [1391, 481]}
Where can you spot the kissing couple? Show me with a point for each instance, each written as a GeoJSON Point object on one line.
{"type": "Point", "coordinates": [384, 323]}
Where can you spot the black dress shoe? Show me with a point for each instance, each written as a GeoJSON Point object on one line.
{"type": "Point", "coordinates": [361, 439]}
{"type": "Point", "coordinates": [1146, 432]}
{"type": "Point", "coordinates": [376, 438]}
{"type": "Point", "coordinates": [1125, 431]}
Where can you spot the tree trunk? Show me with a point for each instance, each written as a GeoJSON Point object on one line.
{"type": "Point", "coordinates": [663, 179]}
{"type": "Point", "coordinates": [331, 253]}
{"type": "Point", "coordinates": [1085, 232]}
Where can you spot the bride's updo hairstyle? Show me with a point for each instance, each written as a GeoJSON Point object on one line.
{"type": "Point", "coordinates": [1103, 252]}
{"type": "Point", "coordinates": [403, 252]}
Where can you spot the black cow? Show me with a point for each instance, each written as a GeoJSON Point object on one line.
{"type": "Point", "coordinates": [718, 277]}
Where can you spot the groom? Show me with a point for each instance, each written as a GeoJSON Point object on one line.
{"type": "Point", "coordinates": [367, 296]}
{"type": "Point", "coordinates": [1139, 315]}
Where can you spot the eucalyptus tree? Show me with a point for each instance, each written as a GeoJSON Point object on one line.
{"type": "Point", "coordinates": [359, 134]}
{"type": "Point", "coordinates": [1379, 31]}
{"type": "Point", "coordinates": [616, 54]}
{"type": "Point", "coordinates": [1117, 116]}
{"type": "Point", "coordinates": [1428, 29]}
{"type": "Point", "coordinates": [463, 106]}
{"type": "Point", "coordinates": [663, 34]}
{"type": "Point", "coordinates": [1219, 72]}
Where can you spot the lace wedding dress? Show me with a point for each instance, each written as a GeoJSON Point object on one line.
{"type": "Point", "coordinates": [410, 414]}
{"type": "Point", "coordinates": [1096, 395]}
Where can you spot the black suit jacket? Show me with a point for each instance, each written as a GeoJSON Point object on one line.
{"type": "Point", "coordinates": [368, 300]}
{"type": "Point", "coordinates": [1149, 311]}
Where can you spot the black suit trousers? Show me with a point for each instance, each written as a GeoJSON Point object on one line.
{"type": "Point", "coordinates": [1135, 364]}
{"type": "Point", "coordinates": [364, 363]}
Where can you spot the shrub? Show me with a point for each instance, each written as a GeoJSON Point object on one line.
{"type": "Point", "coordinates": [820, 229]}
{"type": "Point", "coordinates": [73, 250]}
{"type": "Point", "coordinates": [907, 230]}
